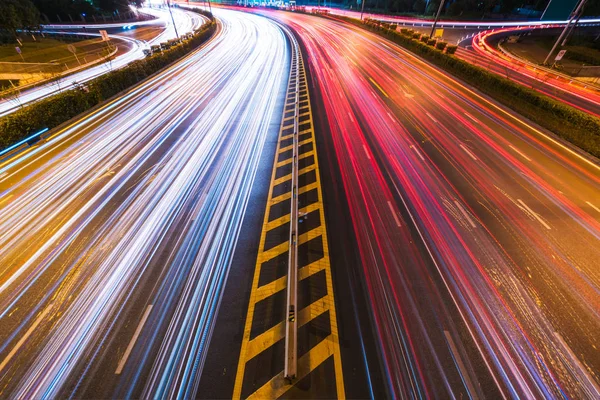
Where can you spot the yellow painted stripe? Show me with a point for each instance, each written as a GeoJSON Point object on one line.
{"type": "Point", "coordinates": [328, 347]}
{"type": "Point", "coordinates": [278, 386]}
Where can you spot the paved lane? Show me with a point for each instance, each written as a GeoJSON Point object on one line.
{"type": "Point", "coordinates": [117, 234]}
{"type": "Point", "coordinates": [478, 234]}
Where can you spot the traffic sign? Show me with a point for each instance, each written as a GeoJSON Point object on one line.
{"type": "Point", "coordinates": [439, 33]}
{"type": "Point", "coordinates": [18, 49]}
{"type": "Point", "coordinates": [560, 55]}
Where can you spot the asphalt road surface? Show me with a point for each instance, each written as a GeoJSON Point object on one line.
{"type": "Point", "coordinates": [117, 234]}
{"type": "Point", "coordinates": [477, 232]}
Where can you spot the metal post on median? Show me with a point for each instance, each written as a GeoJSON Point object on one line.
{"type": "Point", "coordinates": [437, 17]}
{"type": "Point", "coordinates": [291, 324]}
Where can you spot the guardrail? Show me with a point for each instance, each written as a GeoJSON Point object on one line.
{"type": "Point", "coordinates": [291, 323]}
{"type": "Point", "coordinates": [22, 145]}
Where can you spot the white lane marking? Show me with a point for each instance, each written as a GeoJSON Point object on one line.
{"type": "Point", "coordinates": [431, 116]}
{"type": "Point", "coordinates": [534, 214]}
{"type": "Point", "coordinates": [582, 368]}
{"type": "Point", "coordinates": [418, 152]}
{"type": "Point", "coordinates": [471, 118]}
{"type": "Point", "coordinates": [133, 340]}
{"type": "Point", "coordinates": [350, 115]}
{"type": "Point", "coordinates": [2, 175]}
{"type": "Point", "coordinates": [468, 152]}
{"type": "Point", "coordinates": [519, 153]}
{"type": "Point", "coordinates": [25, 337]}
{"type": "Point", "coordinates": [394, 213]}
{"type": "Point", "coordinates": [593, 206]}
{"type": "Point", "coordinates": [366, 152]}
{"type": "Point", "coordinates": [461, 366]}
{"type": "Point", "coordinates": [465, 214]}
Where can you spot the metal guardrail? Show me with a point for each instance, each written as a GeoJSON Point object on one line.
{"type": "Point", "coordinates": [291, 323]}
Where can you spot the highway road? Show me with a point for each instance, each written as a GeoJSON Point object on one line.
{"type": "Point", "coordinates": [136, 39]}
{"type": "Point", "coordinates": [484, 52]}
{"type": "Point", "coordinates": [117, 233]}
{"type": "Point", "coordinates": [478, 233]}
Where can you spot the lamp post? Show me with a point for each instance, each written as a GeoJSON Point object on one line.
{"type": "Point", "coordinates": [573, 17]}
{"type": "Point", "coordinates": [173, 19]}
{"type": "Point", "coordinates": [362, 9]}
{"type": "Point", "coordinates": [437, 16]}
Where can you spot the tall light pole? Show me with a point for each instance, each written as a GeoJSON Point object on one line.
{"type": "Point", "coordinates": [564, 32]}
{"type": "Point", "coordinates": [362, 9]}
{"type": "Point", "coordinates": [437, 16]}
{"type": "Point", "coordinates": [173, 19]}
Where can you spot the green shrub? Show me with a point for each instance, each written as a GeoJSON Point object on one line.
{"type": "Point", "coordinates": [424, 38]}
{"type": "Point", "coordinates": [431, 42]}
{"type": "Point", "coordinates": [59, 108]}
{"type": "Point", "coordinates": [451, 49]}
{"type": "Point", "coordinates": [416, 35]}
{"type": "Point", "coordinates": [393, 27]}
{"type": "Point", "coordinates": [441, 45]}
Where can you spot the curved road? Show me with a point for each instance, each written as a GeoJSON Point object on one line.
{"type": "Point", "coordinates": [186, 21]}
{"type": "Point", "coordinates": [485, 54]}
{"type": "Point", "coordinates": [478, 234]}
{"type": "Point", "coordinates": [117, 234]}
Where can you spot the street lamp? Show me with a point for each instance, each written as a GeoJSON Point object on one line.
{"type": "Point", "coordinates": [362, 9]}
{"type": "Point", "coordinates": [574, 17]}
{"type": "Point", "coordinates": [172, 19]}
{"type": "Point", "coordinates": [437, 16]}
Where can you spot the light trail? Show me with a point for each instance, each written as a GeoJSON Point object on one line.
{"type": "Point", "coordinates": [470, 265]}
{"type": "Point", "coordinates": [447, 23]}
{"type": "Point", "coordinates": [186, 21]}
{"type": "Point", "coordinates": [139, 203]}
{"type": "Point", "coordinates": [571, 91]}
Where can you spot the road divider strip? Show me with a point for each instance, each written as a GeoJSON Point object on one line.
{"type": "Point", "coordinates": [260, 371]}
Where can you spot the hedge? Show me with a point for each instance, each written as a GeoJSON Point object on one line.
{"type": "Point", "coordinates": [61, 107]}
{"type": "Point", "coordinates": [568, 123]}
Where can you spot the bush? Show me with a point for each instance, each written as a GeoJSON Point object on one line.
{"type": "Point", "coordinates": [61, 107]}
{"type": "Point", "coordinates": [451, 49]}
{"type": "Point", "coordinates": [431, 42]}
{"type": "Point", "coordinates": [424, 38]}
{"type": "Point", "coordinates": [393, 27]}
{"type": "Point", "coordinates": [569, 123]}
{"type": "Point", "coordinates": [416, 35]}
{"type": "Point", "coordinates": [440, 45]}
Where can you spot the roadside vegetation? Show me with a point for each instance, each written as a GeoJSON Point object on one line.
{"type": "Point", "coordinates": [57, 109]}
{"type": "Point", "coordinates": [568, 123]}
